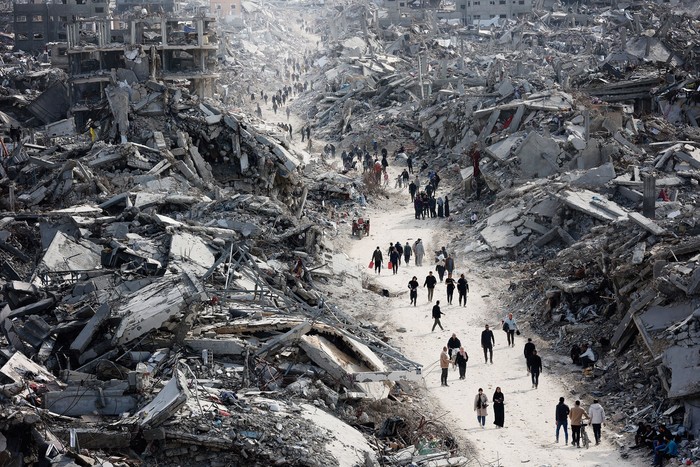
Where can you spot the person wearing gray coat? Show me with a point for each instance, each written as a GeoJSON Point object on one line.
{"type": "Point", "coordinates": [419, 252]}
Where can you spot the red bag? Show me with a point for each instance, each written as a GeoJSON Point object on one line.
{"type": "Point", "coordinates": [371, 264]}
{"type": "Point", "coordinates": [389, 265]}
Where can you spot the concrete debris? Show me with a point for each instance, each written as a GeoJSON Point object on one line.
{"type": "Point", "coordinates": [156, 228]}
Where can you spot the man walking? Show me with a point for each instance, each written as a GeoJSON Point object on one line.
{"type": "Point", "coordinates": [487, 343]}
{"type": "Point", "coordinates": [413, 287]}
{"type": "Point", "coordinates": [444, 366]}
{"type": "Point", "coordinates": [510, 326]}
{"type": "Point", "coordinates": [377, 259]}
{"type": "Point", "coordinates": [430, 282]}
{"type": "Point", "coordinates": [419, 251]}
{"type": "Point", "coordinates": [462, 288]}
{"type": "Point", "coordinates": [577, 414]}
{"type": "Point", "coordinates": [529, 347]}
{"type": "Point", "coordinates": [562, 420]}
{"type": "Point", "coordinates": [436, 316]}
{"type": "Point", "coordinates": [597, 414]}
{"type": "Point", "coordinates": [535, 368]}
{"type": "Point", "coordinates": [407, 253]}
{"type": "Point", "coordinates": [453, 344]}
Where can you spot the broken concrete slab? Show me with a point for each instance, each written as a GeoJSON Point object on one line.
{"type": "Point", "coordinates": [166, 404]}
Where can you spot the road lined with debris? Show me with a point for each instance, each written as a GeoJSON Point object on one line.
{"type": "Point", "coordinates": [528, 435]}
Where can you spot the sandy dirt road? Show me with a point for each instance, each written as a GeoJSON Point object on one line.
{"type": "Point", "coordinates": [528, 435]}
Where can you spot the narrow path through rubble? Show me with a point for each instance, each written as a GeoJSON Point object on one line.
{"type": "Point", "coordinates": [528, 435]}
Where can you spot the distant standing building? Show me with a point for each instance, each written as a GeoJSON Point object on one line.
{"type": "Point", "coordinates": [38, 22]}
{"type": "Point", "coordinates": [476, 10]}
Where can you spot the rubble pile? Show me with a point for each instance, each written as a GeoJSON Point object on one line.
{"type": "Point", "coordinates": [587, 149]}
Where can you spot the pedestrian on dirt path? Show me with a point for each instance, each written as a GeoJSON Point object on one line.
{"type": "Point", "coordinates": [461, 359]}
{"type": "Point", "coordinates": [377, 259]}
{"type": "Point", "coordinates": [481, 402]}
{"type": "Point", "coordinates": [385, 163]}
{"type": "Point", "coordinates": [394, 260]}
{"type": "Point", "coordinates": [597, 414]}
{"type": "Point", "coordinates": [289, 112]}
{"type": "Point", "coordinates": [440, 207]}
{"type": "Point", "coordinates": [413, 287]}
{"type": "Point", "coordinates": [404, 176]}
{"type": "Point", "coordinates": [487, 343]}
{"type": "Point", "coordinates": [399, 250]}
{"type": "Point", "coordinates": [447, 207]}
{"type": "Point", "coordinates": [412, 188]}
{"type": "Point", "coordinates": [499, 412]}
{"type": "Point", "coordinates": [510, 326]}
{"type": "Point", "coordinates": [562, 420]}
{"type": "Point", "coordinates": [407, 252]}
{"type": "Point", "coordinates": [436, 316]}
{"type": "Point", "coordinates": [462, 289]}
{"type": "Point", "coordinates": [419, 251]}
{"type": "Point", "coordinates": [449, 265]}
{"type": "Point", "coordinates": [527, 351]}
{"type": "Point", "coordinates": [535, 365]}
{"type": "Point", "coordinates": [440, 268]}
{"type": "Point", "coordinates": [444, 366]}
{"type": "Point", "coordinates": [453, 344]}
{"type": "Point", "coordinates": [577, 414]}
{"type": "Point", "coordinates": [430, 282]}
{"type": "Point", "coordinates": [450, 284]}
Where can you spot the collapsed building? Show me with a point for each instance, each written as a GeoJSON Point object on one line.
{"type": "Point", "coordinates": [152, 306]}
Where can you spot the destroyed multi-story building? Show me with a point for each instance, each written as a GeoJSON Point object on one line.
{"type": "Point", "coordinates": [37, 23]}
{"type": "Point", "coordinates": [168, 48]}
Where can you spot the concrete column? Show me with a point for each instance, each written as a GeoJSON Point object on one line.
{"type": "Point", "coordinates": [649, 202]}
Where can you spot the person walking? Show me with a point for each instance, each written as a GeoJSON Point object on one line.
{"type": "Point", "coordinates": [561, 418]}
{"type": "Point", "coordinates": [409, 163]}
{"type": "Point", "coordinates": [461, 359]}
{"type": "Point", "coordinates": [419, 251]}
{"type": "Point", "coordinates": [597, 414]}
{"type": "Point", "coordinates": [535, 368]}
{"type": "Point", "coordinates": [481, 403]}
{"type": "Point", "coordinates": [453, 344]}
{"type": "Point", "coordinates": [449, 265]}
{"type": "Point", "coordinates": [377, 259]}
{"type": "Point", "coordinates": [577, 414]}
{"type": "Point", "coordinates": [394, 260]}
{"type": "Point", "coordinates": [412, 189]}
{"type": "Point", "coordinates": [487, 343]}
{"type": "Point", "coordinates": [407, 253]}
{"type": "Point", "coordinates": [510, 326]}
{"type": "Point", "coordinates": [440, 206]}
{"type": "Point", "coordinates": [450, 284]}
{"type": "Point", "coordinates": [440, 268]}
{"type": "Point", "coordinates": [430, 282]}
{"type": "Point", "coordinates": [436, 316]}
{"type": "Point", "coordinates": [447, 207]}
{"type": "Point", "coordinates": [462, 289]}
{"type": "Point", "coordinates": [413, 287]}
{"type": "Point", "coordinates": [399, 250]}
{"type": "Point", "coordinates": [444, 366]}
{"type": "Point", "coordinates": [529, 347]}
{"type": "Point", "coordinates": [499, 412]}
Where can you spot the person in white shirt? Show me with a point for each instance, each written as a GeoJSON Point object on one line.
{"type": "Point", "coordinates": [597, 414]}
{"type": "Point", "coordinates": [510, 326]}
{"type": "Point", "coordinates": [588, 357]}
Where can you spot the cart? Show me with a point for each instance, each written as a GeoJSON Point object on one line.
{"type": "Point", "coordinates": [360, 227]}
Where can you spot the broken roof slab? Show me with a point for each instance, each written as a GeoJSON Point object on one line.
{"type": "Point", "coordinates": [592, 204]}
{"type": "Point", "coordinates": [67, 254]}
{"type": "Point", "coordinates": [684, 363]}
{"type": "Point", "coordinates": [152, 306]}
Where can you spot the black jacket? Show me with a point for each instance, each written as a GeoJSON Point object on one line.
{"type": "Point", "coordinates": [535, 362]}
{"type": "Point", "coordinates": [413, 285]}
{"type": "Point", "coordinates": [377, 256]}
{"type": "Point", "coordinates": [430, 282]}
{"type": "Point", "coordinates": [453, 343]}
{"type": "Point", "coordinates": [462, 285]}
{"type": "Point", "coordinates": [487, 339]}
{"type": "Point", "coordinates": [459, 360]}
{"type": "Point", "coordinates": [562, 412]}
{"type": "Point", "coordinates": [450, 283]}
{"type": "Point", "coordinates": [529, 347]}
{"type": "Point", "coordinates": [436, 312]}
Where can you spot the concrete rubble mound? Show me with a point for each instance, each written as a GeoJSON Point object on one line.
{"type": "Point", "coordinates": [165, 253]}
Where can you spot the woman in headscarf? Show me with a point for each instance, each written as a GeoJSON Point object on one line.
{"type": "Point", "coordinates": [498, 409]}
